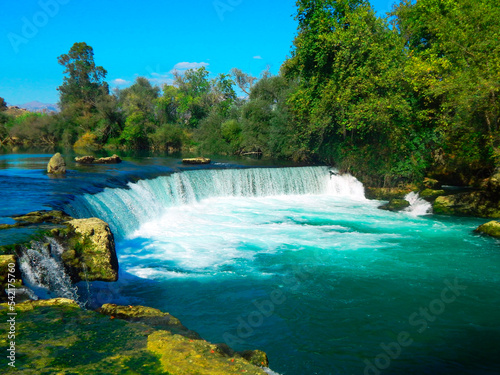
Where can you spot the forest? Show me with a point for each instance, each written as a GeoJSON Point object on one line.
{"type": "Point", "coordinates": [390, 99]}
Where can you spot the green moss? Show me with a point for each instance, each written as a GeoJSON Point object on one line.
{"type": "Point", "coordinates": [491, 228]}
{"type": "Point", "coordinates": [395, 204]}
{"type": "Point", "coordinates": [430, 194]}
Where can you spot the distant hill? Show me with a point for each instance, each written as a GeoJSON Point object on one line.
{"type": "Point", "coordinates": [36, 106]}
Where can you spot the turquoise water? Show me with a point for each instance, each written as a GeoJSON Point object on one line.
{"type": "Point", "coordinates": [297, 263]}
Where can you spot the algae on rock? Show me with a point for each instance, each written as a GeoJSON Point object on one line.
{"type": "Point", "coordinates": [491, 228]}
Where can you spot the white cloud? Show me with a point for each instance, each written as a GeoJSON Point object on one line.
{"type": "Point", "coordinates": [120, 82]}
{"type": "Point", "coordinates": [189, 65]}
{"type": "Point", "coordinates": [258, 57]}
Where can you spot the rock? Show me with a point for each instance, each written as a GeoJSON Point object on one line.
{"type": "Point", "coordinates": [181, 356]}
{"type": "Point", "coordinates": [395, 204]}
{"type": "Point", "coordinates": [115, 159]}
{"type": "Point", "coordinates": [491, 228]}
{"type": "Point", "coordinates": [475, 203]}
{"type": "Point", "coordinates": [198, 160]}
{"type": "Point", "coordinates": [255, 357]}
{"type": "Point", "coordinates": [9, 274]}
{"type": "Point", "coordinates": [56, 165]}
{"type": "Point", "coordinates": [38, 217]}
{"type": "Point", "coordinates": [385, 194]}
{"type": "Point", "coordinates": [430, 194]}
{"type": "Point", "coordinates": [91, 254]}
{"type": "Point", "coordinates": [85, 159]}
{"type": "Point", "coordinates": [431, 183]}
{"type": "Point", "coordinates": [153, 317]}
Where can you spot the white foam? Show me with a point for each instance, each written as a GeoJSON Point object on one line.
{"type": "Point", "coordinates": [418, 206]}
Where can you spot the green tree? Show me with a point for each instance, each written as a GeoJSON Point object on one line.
{"type": "Point", "coordinates": [3, 105]}
{"type": "Point", "coordinates": [454, 68]}
{"type": "Point", "coordinates": [84, 83]}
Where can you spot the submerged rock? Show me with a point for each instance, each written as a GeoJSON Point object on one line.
{"type": "Point", "coordinates": [491, 228]}
{"type": "Point", "coordinates": [56, 165]}
{"type": "Point", "coordinates": [90, 254]}
{"type": "Point", "coordinates": [198, 160]}
{"type": "Point", "coordinates": [395, 204]}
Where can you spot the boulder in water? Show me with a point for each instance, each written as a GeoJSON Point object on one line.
{"type": "Point", "coordinates": [430, 194]}
{"type": "Point", "coordinates": [491, 228]}
{"type": "Point", "coordinates": [89, 250]}
{"type": "Point", "coordinates": [198, 160]}
{"type": "Point", "coordinates": [385, 194]}
{"type": "Point", "coordinates": [56, 165]}
{"type": "Point", "coordinates": [115, 159]}
{"type": "Point", "coordinates": [395, 204]}
{"type": "Point", "coordinates": [475, 203]}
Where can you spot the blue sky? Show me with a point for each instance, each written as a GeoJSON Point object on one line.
{"type": "Point", "coordinates": [149, 39]}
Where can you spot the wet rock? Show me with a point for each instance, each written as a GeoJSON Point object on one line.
{"type": "Point", "coordinates": [476, 203]}
{"type": "Point", "coordinates": [115, 159]}
{"type": "Point", "coordinates": [491, 228]}
{"type": "Point", "coordinates": [89, 250]}
{"type": "Point", "coordinates": [85, 159]}
{"type": "Point", "coordinates": [56, 165]}
{"type": "Point", "coordinates": [385, 194]}
{"type": "Point", "coordinates": [395, 204]}
{"type": "Point", "coordinates": [430, 194]}
{"type": "Point", "coordinates": [9, 274]}
{"type": "Point", "coordinates": [255, 357]}
{"type": "Point", "coordinates": [198, 160]}
{"type": "Point", "coordinates": [150, 316]}
{"type": "Point", "coordinates": [182, 356]}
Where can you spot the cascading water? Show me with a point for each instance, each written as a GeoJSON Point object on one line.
{"type": "Point", "coordinates": [44, 272]}
{"type": "Point", "coordinates": [418, 206]}
{"type": "Point", "coordinates": [126, 209]}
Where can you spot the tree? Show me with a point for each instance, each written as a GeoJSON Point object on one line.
{"type": "Point", "coordinates": [243, 81]}
{"type": "Point", "coordinates": [454, 68]}
{"type": "Point", "coordinates": [84, 83]}
{"type": "Point", "coordinates": [3, 105]}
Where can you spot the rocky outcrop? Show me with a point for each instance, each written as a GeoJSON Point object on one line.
{"type": "Point", "coordinates": [148, 315]}
{"type": "Point", "coordinates": [395, 204]}
{"type": "Point", "coordinates": [476, 203]}
{"type": "Point", "coordinates": [181, 356]}
{"type": "Point", "coordinates": [115, 159]}
{"type": "Point", "coordinates": [89, 250]}
{"type": "Point", "coordinates": [9, 274]}
{"type": "Point", "coordinates": [56, 165]}
{"type": "Point", "coordinates": [491, 228]}
{"type": "Point", "coordinates": [77, 341]}
{"type": "Point", "coordinates": [38, 217]}
{"type": "Point", "coordinates": [198, 160]}
{"type": "Point", "coordinates": [431, 194]}
{"type": "Point", "coordinates": [385, 194]}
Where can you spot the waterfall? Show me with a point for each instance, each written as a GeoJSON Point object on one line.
{"type": "Point", "coordinates": [126, 209]}
{"type": "Point", "coordinates": [42, 269]}
{"type": "Point", "coordinates": [418, 206]}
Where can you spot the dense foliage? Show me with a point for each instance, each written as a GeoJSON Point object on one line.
{"type": "Point", "coordinates": [390, 98]}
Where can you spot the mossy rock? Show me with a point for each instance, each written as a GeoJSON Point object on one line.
{"type": "Point", "coordinates": [180, 355]}
{"type": "Point", "coordinates": [255, 357]}
{"type": "Point", "coordinates": [38, 217]}
{"type": "Point", "coordinates": [386, 194]}
{"type": "Point", "coordinates": [476, 203]}
{"type": "Point", "coordinates": [58, 337]}
{"type": "Point", "coordinates": [491, 228]}
{"type": "Point", "coordinates": [148, 315]}
{"type": "Point", "coordinates": [90, 250]}
{"type": "Point", "coordinates": [395, 204]}
{"type": "Point", "coordinates": [430, 194]}
{"type": "Point", "coordinates": [7, 264]}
